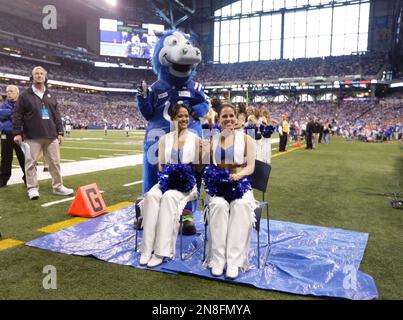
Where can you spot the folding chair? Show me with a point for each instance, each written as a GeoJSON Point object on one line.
{"type": "Point", "coordinates": [259, 181]}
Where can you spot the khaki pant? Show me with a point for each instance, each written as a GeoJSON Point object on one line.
{"type": "Point", "coordinates": [51, 154]}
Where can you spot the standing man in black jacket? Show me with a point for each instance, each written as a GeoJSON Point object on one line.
{"type": "Point", "coordinates": [36, 116]}
{"type": "Point", "coordinates": [309, 133]}
{"type": "Point", "coordinates": [7, 143]}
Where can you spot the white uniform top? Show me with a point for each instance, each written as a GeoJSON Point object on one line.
{"type": "Point", "coordinates": [189, 154]}
{"type": "Point", "coordinates": [239, 147]}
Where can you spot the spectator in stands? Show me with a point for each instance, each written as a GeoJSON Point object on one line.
{"type": "Point", "coordinates": [36, 115]}
{"type": "Point", "coordinates": [7, 142]}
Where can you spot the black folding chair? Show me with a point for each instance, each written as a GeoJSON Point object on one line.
{"type": "Point", "coordinates": [259, 181]}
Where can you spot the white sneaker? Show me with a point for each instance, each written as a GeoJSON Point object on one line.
{"type": "Point", "coordinates": [217, 272]}
{"type": "Point", "coordinates": [33, 194]}
{"type": "Point", "coordinates": [155, 260]}
{"type": "Point", "coordinates": [63, 191]}
{"type": "Point", "coordinates": [144, 259]}
{"type": "Point", "coordinates": [232, 272]}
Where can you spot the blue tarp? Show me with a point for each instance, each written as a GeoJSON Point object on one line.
{"type": "Point", "coordinates": [303, 259]}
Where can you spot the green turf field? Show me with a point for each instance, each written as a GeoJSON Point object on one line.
{"type": "Point", "coordinates": [339, 185]}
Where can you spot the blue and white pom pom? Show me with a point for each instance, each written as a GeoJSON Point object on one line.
{"type": "Point", "coordinates": [267, 131]}
{"type": "Point", "coordinates": [178, 176]}
{"type": "Point", "coordinates": [219, 184]}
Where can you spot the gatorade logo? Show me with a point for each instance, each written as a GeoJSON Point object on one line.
{"type": "Point", "coordinates": [95, 202]}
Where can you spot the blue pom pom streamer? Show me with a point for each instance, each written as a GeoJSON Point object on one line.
{"type": "Point", "coordinates": [267, 131]}
{"type": "Point", "coordinates": [178, 176]}
{"type": "Point", "coordinates": [219, 184]}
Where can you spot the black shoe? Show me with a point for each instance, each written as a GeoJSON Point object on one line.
{"type": "Point", "coordinates": [45, 169]}
{"type": "Point", "coordinates": [188, 227]}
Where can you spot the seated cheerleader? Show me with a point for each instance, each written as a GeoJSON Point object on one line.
{"type": "Point", "coordinates": [230, 198]}
{"type": "Point", "coordinates": [178, 151]}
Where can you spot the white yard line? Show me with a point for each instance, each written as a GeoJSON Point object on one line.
{"type": "Point", "coordinates": [82, 167]}
{"type": "Point", "coordinates": [88, 158]}
{"type": "Point", "coordinates": [68, 160]}
{"type": "Point", "coordinates": [105, 156]}
{"type": "Point", "coordinates": [48, 204]}
{"type": "Point", "coordinates": [98, 149]}
{"type": "Point", "coordinates": [133, 183]}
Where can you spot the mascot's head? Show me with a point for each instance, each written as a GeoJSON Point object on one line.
{"type": "Point", "coordinates": [175, 58]}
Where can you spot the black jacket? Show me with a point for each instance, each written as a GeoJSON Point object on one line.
{"type": "Point", "coordinates": [27, 116]}
{"type": "Point", "coordinates": [316, 127]}
{"type": "Point", "coordinates": [310, 127]}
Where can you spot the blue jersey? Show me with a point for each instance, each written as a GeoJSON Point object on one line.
{"type": "Point", "coordinates": [162, 96]}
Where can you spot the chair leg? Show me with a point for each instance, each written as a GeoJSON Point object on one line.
{"type": "Point", "coordinates": [135, 246]}
{"type": "Point", "coordinates": [268, 225]}
{"type": "Point", "coordinates": [205, 242]}
{"type": "Point", "coordinates": [180, 237]}
{"type": "Point", "coordinates": [268, 235]}
{"type": "Point", "coordinates": [258, 249]}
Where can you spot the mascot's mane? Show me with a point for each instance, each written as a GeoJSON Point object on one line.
{"type": "Point", "coordinates": [161, 71]}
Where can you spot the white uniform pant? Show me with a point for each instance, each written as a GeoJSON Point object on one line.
{"type": "Point", "coordinates": [161, 214]}
{"type": "Point", "coordinates": [259, 150]}
{"type": "Point", "coordinates": [230, 228]}
{"type": "Point", "coordinates": [266, 150]}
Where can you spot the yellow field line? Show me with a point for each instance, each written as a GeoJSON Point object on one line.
{"type": "Point", "coordinates": [62, 225]}
{"type": "Point", "coordinates": [283, 153]}
{"type": "Point", "coordinates": [74, 221]}
{"type": "Point", "coordinates": [119, 206]}
{"type": "Point", "coordinates": [9, 243]}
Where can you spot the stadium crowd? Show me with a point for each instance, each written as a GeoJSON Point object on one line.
{"type": "Point", "coordinates": [367, 64]}
{"type": "Point", "coordinates": [35, 30]}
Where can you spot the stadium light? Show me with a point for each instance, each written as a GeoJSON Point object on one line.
{"type": "Point", "coordinates": [112, 2]}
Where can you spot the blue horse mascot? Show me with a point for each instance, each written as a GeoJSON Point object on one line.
{"type": "Point", "coordinates": [174, 62]}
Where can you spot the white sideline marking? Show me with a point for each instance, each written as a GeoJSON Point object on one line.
{"type": "Point", "coordinates": [98, 149]}
{"type": "Point", "coordinates": [133, 183]}
{"type": "Point", "coordinates": [88, 158]}
{"type": "Point", "coordinates": [105, 156]}
{"type": "Point", "coordinates": [119, 154]}
{"type": "Point", "coordinates": [48, 204]}
{"type": "Point", "coordinates": [68, 160]}
{"type": "Point", "coordinates": [82, 167]}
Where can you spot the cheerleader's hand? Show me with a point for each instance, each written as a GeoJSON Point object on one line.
{"type": "Point", "coordinates": [194, 194]}
{"type": "Point", "coordinates": [204, 144]}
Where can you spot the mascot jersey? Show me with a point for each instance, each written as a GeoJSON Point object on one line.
{"type": "Point", "coordinates": [174, 61]}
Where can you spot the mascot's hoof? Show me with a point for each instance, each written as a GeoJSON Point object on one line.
{"type": "Point", "coordinates": [188, 227]}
